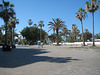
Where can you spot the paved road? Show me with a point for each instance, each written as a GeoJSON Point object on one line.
{"type": "Point", "coordinates": [50, 60]}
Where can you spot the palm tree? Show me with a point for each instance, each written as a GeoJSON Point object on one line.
{"type": "Point", "coordinates": [52, 38]}
{"type": "Point", "coordinates": [80, 36]}
{"type": "Point", "coordinates": [35, 25]}
{"type": "Point", "coordinates": [81, 14]}
{"type": "Point", "coordinates": [6, 13]}
{"type": "Point", "coordinates": [75, 31]}
{"type": "Point", "coordinates": [57, 24]}
{"type": "Point", "coordinates": [41, 25]}
{"type": "Point", "coordinates": [12, 24]}
{"type": "Point", "coordinates": [87, 35]}
{"type": "Point", "coordinates": [69, 33]}
{"type": "Point", "coordinates": [0, 35]}
{"type": "Point", "coordinates": [92, 6]}
{"type": "Point", "coordinates": [64, 33]}
{"type": "Point", "coordinates": [30, 22]}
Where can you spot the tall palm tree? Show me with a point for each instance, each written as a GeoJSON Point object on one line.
{"type": "Point", "coordinates": [92, 6]}
{"type": "Point", "coordinates": [75, 31]}
{"type": "Point", "coordinates": [30, 22]}
{"type": "Point", "coordinates": [41, 25]}
{"type": "Point", "coordinates": [81, 14]}
{"type": "Point", "coordinates": [35, 25]}
{"type": "Point", "coordinates": [12, 24]}
{"type": "Point", "coordinates": [6, 13]}
{"type": "Point", "coordinates": [57, 24]}
{"type": "Point", "coordinates": [0, 35]}
{"type": "Point", "coordinates": [69, 33]}
{"type": "Point", "coordinates": [64, 33]}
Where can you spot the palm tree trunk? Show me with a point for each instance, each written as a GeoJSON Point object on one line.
{"type": "Point", "coordinates": [93, 28]}
{"type": "Point", "coordinates": [75, 38]}
{"type": "Point", "coordinates": [69, 37]}
{"type": "Point", "coordinates": [54, 34]}
{"type": "Point", "coordinates": [82, 34]}
{"type": "Point", "coordinates": [40, 34]}
{"type": "Point", "coordinates": [6, 35]}
{"type": "Point", "coordinates": [57, 36]}
{"type": "Point", "coordinates": [13, 34]}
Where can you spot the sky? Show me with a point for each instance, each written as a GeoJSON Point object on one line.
{"type": "Point", "coordinates": [45, 10]}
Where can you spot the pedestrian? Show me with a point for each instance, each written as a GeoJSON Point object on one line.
{"type": "Point", "coordinates": [42, 44]}
{"type": "Point", "coordinates": [38, 44]}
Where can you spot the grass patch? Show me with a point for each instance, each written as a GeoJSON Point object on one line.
{"type": "Point", "coordinates": [84, 45]}
{"type": "Point", "coordinates": [58, 45]}
{"type": "Point", "coordinates": [93, 45]}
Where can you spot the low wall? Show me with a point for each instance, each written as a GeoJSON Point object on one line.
{"type": "Point", "coordinates": [78, 43]}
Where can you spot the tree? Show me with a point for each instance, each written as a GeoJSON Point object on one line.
{"type": "Point", "coordinates": [41, 25]}
{"type": "Point", "coordinates": [0, 35]}
{"type": "Point", "coordinates": [81, 14]}
{"type": "Point", "coordinates": [64, 33]}
{"type": "Point", "coordinates": [52, 38]}
{"type": "Point", "coordinates": [57, 24]}
{"type": "Point", "coordinates": [69, 36]}
{"type": "Point", "coordinates": [31, 34]}
{"type": "Point", "coordinates": [6, 13]}
{"type": "Point", "coordinates": [97, 36]}
{"type": "Point", "coordinates": [35, 25]}
{"type": "Point", "coordinates": [75, 31]}
{"type": "Point", "coordinates": [30, 22]}
{"type": "Point", "coordinates": [10, 28]}
{"type": "Point", "coordinates": [92, 6]}
{"type": "Point", "coordinates": [12, 24]}
{"type": "Point", "coordinates": [87, 35]}
{"type": "Point", "coordinates": [80, 37]}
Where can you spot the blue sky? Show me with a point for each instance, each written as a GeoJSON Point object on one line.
{"type": "Point", "coordinates": [47, 9]}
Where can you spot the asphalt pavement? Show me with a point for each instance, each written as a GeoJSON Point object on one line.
{"type": "Point", "coordinates": [50, 60]}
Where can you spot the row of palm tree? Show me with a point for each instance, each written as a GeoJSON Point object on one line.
{"type": "Point", "coordinates": [6, 13]}
{"type": "Point", "coordinates": [91, 6]}
{"type": "Point", "coordinates": [11, 26]}
{"type": "Point", "coordinates": [41, 24]}
{"type": "Point", "coordinates": [57, 24]}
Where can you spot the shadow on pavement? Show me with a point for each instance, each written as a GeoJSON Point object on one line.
{"type": "Point", "coordinates": [20, 57]}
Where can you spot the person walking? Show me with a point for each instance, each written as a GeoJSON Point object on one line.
{"type": "Point", "coordinates": [38, 44]}
{"type": "Point", "coordinates": [42, 44]}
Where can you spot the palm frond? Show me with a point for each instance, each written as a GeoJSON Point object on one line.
{"type": "Point", "coordinates": [6, 4]}
{"type": "Point", "coordinates": [92, 5]}
{"type": "Point", "coordinates": [54, 20]}
{"type": "Point", "coordinates": [11, 5]}
{"type": "Point", "coordinates": [51, 23]}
